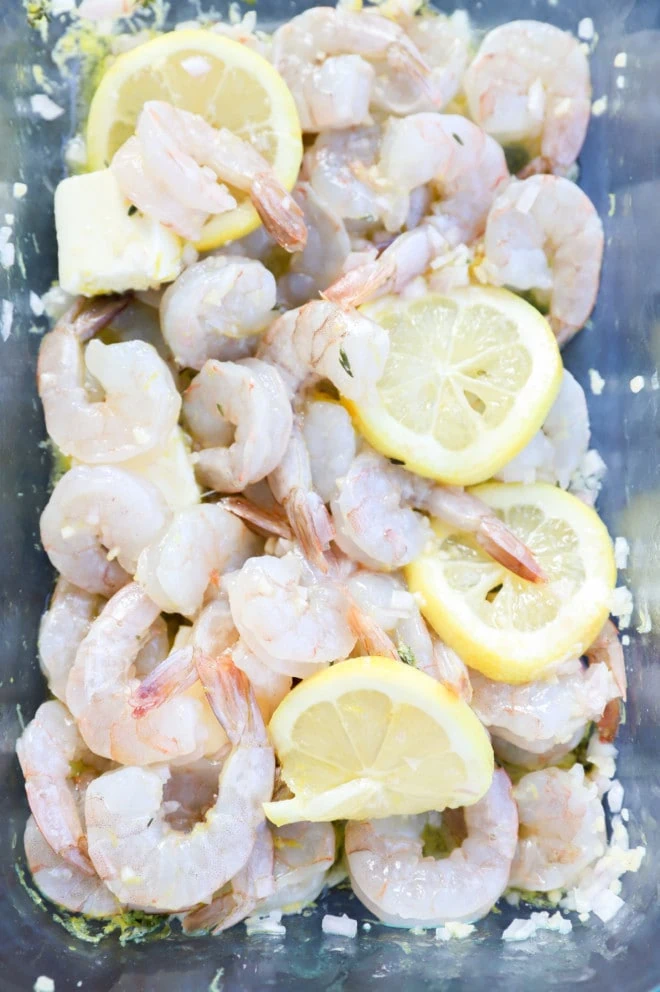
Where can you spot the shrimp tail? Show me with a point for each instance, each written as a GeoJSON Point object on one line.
{"type": "Point", "coordinates": [281, 215]}
{"type": "Point", "coordinates": [501, 544]}
{"type": "Point", "coordinates": [45, 804]}
{"type": "Point", "coordinates": [451, 671]}
{"type": "Point", "coordinates": [85, 318]}
{"type": "Point", "coordinates": [608, 725]}
{"type": "Point", "coordinates": [231, 698]}
{"type": "Point", "coordinates": [174, 675]}
{"type": "Point", "coordinates": [360, 284]}
{"type": "Point", "coordinates": [372, 637]}
{"type": "Point", "coordinates": [607, 650]}
{"type": "Point", "coordinates": [312, 526]}
{"type": "Point", "coordinates": [268, 522]}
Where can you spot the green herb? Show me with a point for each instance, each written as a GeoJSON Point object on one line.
{"type": "Point", "coordinates": [459, 139]}
{"type": "Point", "coordinates": [220, 410]}
{"type": "Point", "coordinates": [132, 210]}
{"type": "Point", "coordinates": [397, 461]}
{"type": "Point", "coordinates": [406, 655]}
{"type": "Point", "coordinates": [344, 362]}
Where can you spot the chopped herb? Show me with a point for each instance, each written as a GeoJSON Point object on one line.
{"type": "Point", "coordinates": [37, 12]}
{"type": "Point", "coordinates": [132, 210]}
{"type": "Point", "coordinates": [344, 362]}
{"type": "Point", "coordinates": [150, 822]}
{"type": "Point", "coordinates": [220, 410]}
{"type": "Point", "coordinates": [459, 139]}
{"type": "Point", "coordinates": [397, 461]}
{"type": "Point", "coordinates": [406, 655]}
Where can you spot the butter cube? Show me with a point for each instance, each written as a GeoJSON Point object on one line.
{"type": "Point", "coordinates": [104, 244]}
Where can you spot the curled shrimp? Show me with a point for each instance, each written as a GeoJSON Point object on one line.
{"type": "Point", "coordinates": [320, 340]}
{"type": "Point", "coordinates": [183, 156]}
{"type": "Point", "coordinates": [63, 883]}
{"type": "Point", "coordinates": [331, 444]}
{"type": "Point", "coordinates": [562, 829]}
{"type": "Point", "coordinates": [293, 618]}
{"type": "Point", "coordinates": [543, 234]}
{"type": "Point", "coordinates": [46, 750]}
{"type": "Point", "coordinates": [529, 84]}
{"type": "Point", "coordinates": [97, 521]}
{"type": "Point", "coordinates": [546, 717]}
{"type": "Point", "coordinates": [251, 396]}
{"type": "Point", "coordinates": [216, 308]}
{"type": "Point", "coordinates": [392, 877]}
{"type": "Point", "coordinates": [376, 525]}
{"type": "Point", "coordinates": [555, 452]}
{"type": "Point", "coordinates": [330, 96]}
{"type": "Point", "coordinates": [148, 863]}
{"type": "Point", "coordinates": [63, 626]}
{"type": "Point", "coordinates": [102, 682]}
{"type": "Point", "coordinates": [185, 564]}
{"type": "Point", "coordinates": [138, 405]}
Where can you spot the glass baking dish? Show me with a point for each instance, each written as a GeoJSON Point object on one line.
{"type": "Point", "coordinates": [620, 170]}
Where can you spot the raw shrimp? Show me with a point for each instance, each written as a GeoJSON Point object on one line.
{"type": "Point", "coordinates": [146, 862]}
{"type": "Point", "coordinates": [62, 628]}
{"type": "Point", "coordinates": [444, 44]}
{"type": "Point", "coordinates": [46, 750]}
{"type": "Point", "coordinates": [375, 524]}
{"type": "Point", "coordinates": [330, 442]}
{"type": "Point", "coordinates": [138, 403]}
{"type": "Point", "coordinates": [100, 10]}
{"type": "Point", "coordinates": [394, 610]}
{"type": "Point", "coordinates": [291, 485]}
{"type": "Point", "coordinates": [545, 717]}
{"type": "Point", "coordinates": [544, 234]}
{"type": "Point", "coordinates": [184, 565]}
{"type": "Point", "coordinates": [341, 168]}
{"type": "Point", "coordinates": [215, 308]}
{"type": "Point", "coordinates": [251, 397]}
{"type": "Point", "coordinates": [63, 883]}
{"type": "Point", "coordinates": [292, 618]}
{"type": "Point", "coordinates": [393, 879]}
{"type": "Point", "coordinates": [529, 84]}
{"type": "Point", "coordinates": [324, 92]}
{"type": "Point", "coordinates": [247, 888]}
{"type": "Point", "coordinates": [101, 684]}
{"type": "Point", "coordinates": [330, 96]}
{"type": "Point", "coordinates": [562, 829]}
{"type": "Point", "coordinates": [179, 135]}
{"type": "Point", "coordinates": [554, 454]}
{"type": "Point", "coordinates": [304, 854]}
{"type": "Point", "coordinates": [97, 521]}
{"type": "Point", "coordinates": [322, 341]}
{"type": "Point", "coordinates": [321, 260]}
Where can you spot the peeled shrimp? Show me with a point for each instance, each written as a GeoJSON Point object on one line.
{"type": "Point", "coordinates": [376, 526]}
{"type": "Point", "coordinates": [291, 617]}
{"type": "Point", "coordinates": [291, 485]}
{"type": "Point", "coordinates": [330, 442]}
{"type": "Point", "coordinates": [321, 260]}
{"type": "Point", "coordinates": [304, 853]}
{"type": "Point", "coordinates": [546, 717]}
{"type": "Point", "coordinates": [251, 396]}
{"type": "Point", "coordinates": [97, 521]}
{"type": "Point", "coordinates": [554, 454]}
{"type": "Point", "coordinates": [215, 308]}
{"type": "Point", "coordinates": [147, 863]}
{"type": "Point", "coordinates": [99, 10]}
{"type": "Point", "coordinates": [46, 750]}
{"type": "Point", "coordinates": [562, 829]}
{"type": "Point", "coordinates": [393, 879]}
{"type": "Point", "coordinates": [101, 685]}
{"type": "Point", "coordinates": [544, 234]}
{"type": "Point", "coordinates": [245, 891]}
{"type": "Point", "coordinates": [337, 93]}
{"type": "Point", "coordinates": [64, 883]}
{"type": "Point", "coordinates": [183, 156]}
{"type": "Point", "coordinates": [138, 404]}
{"type": "Point", "coordinates": [184, 565]}
{"type": "Point", "coordinates": [321, 341]}
{"type": "Point", "coordinates": [529, 84]}
{"type": "Point", "coordinates": [62, 628]}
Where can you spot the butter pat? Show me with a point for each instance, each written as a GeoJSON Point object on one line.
{"type": "Point", "coordinates": [102, 248]}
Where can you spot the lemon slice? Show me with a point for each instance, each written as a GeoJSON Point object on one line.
{"type": "Point", "coordinates": [374, 737]}
{"type": "Point", "coordinates": [469, 380]}
{"type": "Point", "coordinates": [510, 629]}
{"type": "Point", "coordinates": [226, 83]}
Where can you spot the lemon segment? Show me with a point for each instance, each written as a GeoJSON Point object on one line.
{"type": "Point", "coordinates": [374, 737]}
{"type": "Point", "coordinates": [231, 86]}
{"type": "Point", "coordinates": [505, 627]}
{"type": "Point", "coordinates": [470, 378]}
